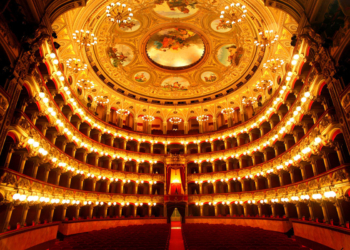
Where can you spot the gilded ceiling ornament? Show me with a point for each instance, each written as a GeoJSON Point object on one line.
{"type": "Point", "coordinates": [75, 65]}
{"type": "Point", "coordinates": [119, 13]}
{"type": "Point", "coordinates": [85, 84]}
{"type": "Point", "coordinates": [84, 38]}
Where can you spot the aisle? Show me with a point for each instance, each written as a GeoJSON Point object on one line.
{"type": "Point", "coordinates": [176, 242]}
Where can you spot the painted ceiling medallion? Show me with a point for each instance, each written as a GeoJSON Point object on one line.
{"type": "Point", "coordinates": [176, 8]}
{"type": "Point", "coordinates": [175, 48]}
{"type": "Point", "coordinates": [230, 55]}
{"type": "Point", "coordinates": [120, 55]}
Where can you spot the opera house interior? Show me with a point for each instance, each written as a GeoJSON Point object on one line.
{"type": "Point", "coordinates": [175, 124]}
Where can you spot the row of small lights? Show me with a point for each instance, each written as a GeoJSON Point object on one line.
{"type": "Point", "coordinates": [34, 198]}
{"type": "Point", "coordinates": [317, 196]}
{"type": "Point", "coordinates": [288, 78]}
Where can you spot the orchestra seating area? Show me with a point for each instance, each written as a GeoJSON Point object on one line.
{"type": "Point", "coordinates": [141, 237]}
{"type": "Point", "coordinates": [207, 237]}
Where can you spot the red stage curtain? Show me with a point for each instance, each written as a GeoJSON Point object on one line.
{"type": "Point", "coordinates": [182, 178]}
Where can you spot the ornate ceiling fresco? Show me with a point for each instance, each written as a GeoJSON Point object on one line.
{"type": "Point", "coordinates": [175, 49]}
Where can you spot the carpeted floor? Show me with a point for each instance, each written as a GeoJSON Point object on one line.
{"type": "Point", "coordinates": [176, 241]}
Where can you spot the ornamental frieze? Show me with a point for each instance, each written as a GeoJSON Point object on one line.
{"type": "Point", "coordinates": [8, 179]}
{"type": "Point", "coordinates": [220, 197]}
{"type": "Point", "coordinates": [246, 196]}
{"type": "Point", "coordinates": [118, 198]}
{"type": "Point", "coordinates": [233, 197]}
{"type": "Point", "coordinates": [259, 195]}
{"type": "Point", "coordinates": [131, 199]}
{"type": "Point", "coordinates": [313, 184]}
{"type": "Point", "coordinates": [158, 199]}
{"type": "Point", "coordinates": [206, 198]}
{"type": "Point", "coordinates": [302, 187]}
{"type": "Point", "coordinates": [281, 191]}
{"type": "Point", "coordinates": [271, 193]}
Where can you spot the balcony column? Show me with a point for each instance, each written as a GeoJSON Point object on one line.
{"type": "Point", "coordinates": [77, 209]}
{"type": "Point", "coordinates": [200, 126]}
{"type": "Point", "coordinates": [245, 209]}
{"type": "Point", "coordinates": [24, 158]}
{"type": "Point", "coordinates": [91, 210]}
{"type": "Point", "coordinates": [52, 211]}
{"type": "Point", "coordinates": [35, 169]}
{"type": "Point", "coordinates": [78, 123]}
{"type": "Point", "coordinates": [240, 160]}
{"type": "Point", "coordinates": [259, 209]}
{"type": "Point", "coordinates": [123, 165]}
{"type": "Point", "coordinates": [340, 155]}
{"type": "Point", "coordinates": [85, 156]}
{"type": "Point", "coordinates": [275, 148]}
{"type": "Point", "coordinates": [38, 208]}
{"type": "Point", "coordinates": [269, 184]}
{"type": "Point", "coordinates": [185, 148]}
{"type": "Point", "coordinates": [81, 182]}
{"type": "Point", "coordinates": [280, 177]}
{"type": "Point", "coordinates": [297, 206]}
{"type": "Point", "coordinates": [314, 166]}
{"type": "Point", "coordinates": [186, 127]}
{"type": "Point", "coordinates": [64, 211]}
{"type": "Point", "coordinates": [149, 188]}
{"type": "Point", "coordinates": [216, 207]}
{"type": "Point", "coordinates": [54, 137]}
{"type": "Point", "coordinates": [273, 210]}
{"type": "Point", "coordinates": [291, 172]}
{"type": "Point", "coordinates": [261, 131]}
{"type": "Point", "coordinates": [228, 187]}
{"type": "Point", "coordinates": [88, 132]}
{"type": "Point", "coordinates": [305, 127]}
{"type": "Point", "coordinates": [231, 208]}
{"type": "Point", "coordinates": [138, 143]}
{"type": "Point", "coordinates": [137, 167]}
{"type": "Point", "coordinates": [151, 168]}
{"type": "Point", "coordinates": [201, 188]}
{"type": "Point", "coordinates": [165, 148]}
{"type": "Point", "coordinates": [7, 217]}
{"type": "Point", "coordinates": [150, 210]}
{"type": "Point", "coordinates": [124, 144]}
{"type": "Point", "coordinates": [47, 172]}
{"type": "Point", "coordinates": [24, 213]}
{"type": "Point", "coordinates": [303, 171]}
{"type": "Point", "coordinates": [151, 148]}
{"type": "Point", "coordinates": [250, 134]}
{"type": "Point", "coordinates": [199, 148]}
{"type": "Point", "coordinates": [9, 155]}
{"type": "Point", "coordinates": [340, 212]}
{"type": "Point", "coordinates": [226, 142]}
{"type": "Point", "coordinates": [286, 145]}
{"type": "Point", "coordinates": [285, 206]}
{"type": "Point", "coordinates": [214, 187]}
{"type": "Point", "coordinates": [136, 187]}
{"type": "Point", "coordinates": [265, 155]}
{"type": "Point", "coordinates": [44, 128]}
{"type": "Point", "coordinates": [325, 212]}
{"type": "Point", "coordinates": [74, 150]}
{"type": "Point", "coordinates": [256, 181]}
{"type": "Point", "coordinates": [105, 210]}
{"type": "Point", "coordinates": [94, 184]}
{"type": "Point", "coordinates": [215, 124]}
{"type": "Point", "coordinates": [165, 127]}
{"type": "Point", "coordinates": [326, 160]}
{"type": "Point", "coordinates": [120, 210]}
{"type": "Point", "coordinates": [58, 176]}
{"type": "Point", "coordinates": [201, 210]}
{"type": "Point", "coordinates": [311, 211]}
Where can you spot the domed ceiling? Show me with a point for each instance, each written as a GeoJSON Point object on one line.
{"type": "Point", "coordinates": [175, 49]}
